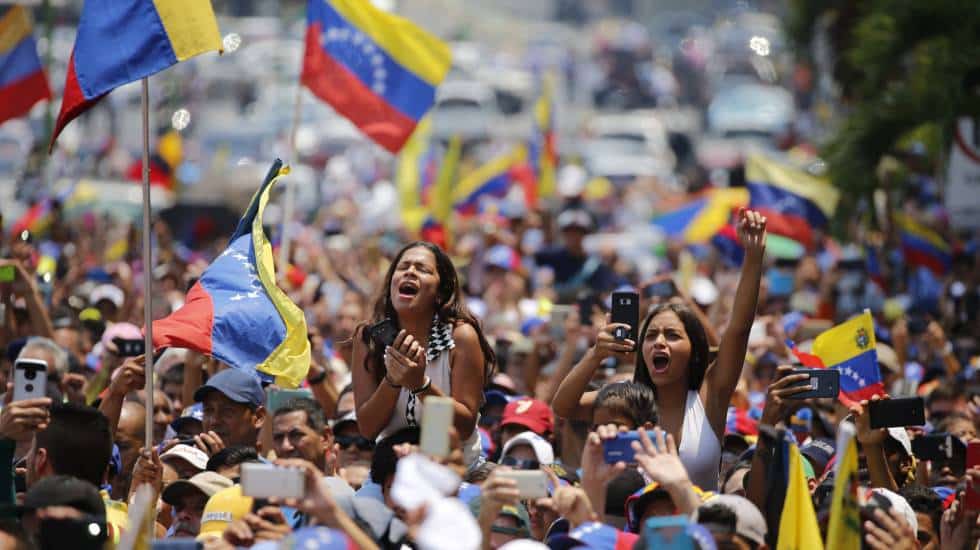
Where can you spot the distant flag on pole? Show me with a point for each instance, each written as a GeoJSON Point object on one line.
{"type": "Point", "coordinates": [377, 69]}
{"type": "Point", "coordinates": [122, 41]}
{"type": "Point", "coordinates": [543, 152]}
{"type": "Point", "coordinates": [22, 79]}
{"type": "Point", "coordinates": [236, 313]}
{"type": "Point", "coordinates": [492, 179]}
{"type": "Point", "coordinates": [922, 246]}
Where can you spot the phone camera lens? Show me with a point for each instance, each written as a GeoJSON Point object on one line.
{"type": "Point", "coordinates": [30, 374]}
{"type": "Point", "coordinates": [29, 387]}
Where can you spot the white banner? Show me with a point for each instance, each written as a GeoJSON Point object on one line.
{"type": "Point", "coordinates": [963, 175]}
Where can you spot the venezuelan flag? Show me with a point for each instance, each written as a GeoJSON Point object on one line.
{"type": "Point", "coordinates": [492, 179]}
{"type": "Point", "coordinates": [377, 69]}
{"type": "Point", "coordinates": [700, 220]}
{"type": "Point", "coordinates": [414, 165]}
{"type": "Point", "coordinates": [844, 527]}
{"type": "Point", "coordinates": [122, 41]}
{"type": "Point", "coordinates": [922, 246]}
{"type": "Point", "coordinates": [22, 79]}
{"type": "Point", "coordinates": [543, 152]}
{"type": "Point", "coordinates": [725, 241]}
{"type": "Point", "coordinates": [798, 527]}
{"type": "Point", "coordinates": [236, 313]}
{"type": "Point", "coordinates": [850, 348]}
{"type": "Point", "coordinates": [793, 200]}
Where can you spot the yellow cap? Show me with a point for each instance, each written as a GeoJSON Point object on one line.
{"type": "Point", "coordinates": [226, 506]}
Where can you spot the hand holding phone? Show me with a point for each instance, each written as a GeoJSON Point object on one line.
{"type": "Point", "coordinates": [626, 311]}
{"type": "Point", "coordinates": [824, 383]}
{"type": "Point", "coordinates": [269, 480]}
{"type": "Point", "coordinates": [620, 448]}
{"type": "Point", "coordinates": [30, 379]}
{"type": "Point", "coordinates": [130, 348]}
{"type": "Point", "coordinates": [531, 484]}
{"type": "Point", "coordinates": [384, 332]}
{"type": "Point", "coordinates": [898, 412]}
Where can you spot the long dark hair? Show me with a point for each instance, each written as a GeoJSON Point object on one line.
{"type": "Point", "coordinates": [697, 365]}
{"type": "Point", "coordinates": [450, 305]}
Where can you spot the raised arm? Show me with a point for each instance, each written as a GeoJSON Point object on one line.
{"type": "Point", "coordinates": [571, 400]}
{"type": "Point", "coordinates": [721, 379]}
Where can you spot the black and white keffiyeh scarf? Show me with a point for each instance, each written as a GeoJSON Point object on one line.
{"type": "Point", "coordinates": [440, 340]}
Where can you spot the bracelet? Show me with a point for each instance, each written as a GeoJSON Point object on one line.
{"type": "Point", "coordinates": [425, 386]}
{"type": "Point", "coordinates": [392, 384]}
{"type": "Point", "coordinates": [319, 378]}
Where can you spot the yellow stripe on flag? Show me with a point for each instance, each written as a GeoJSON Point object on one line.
{"type": "Point", "coordinates": [909, 225]}
{"type": "Point", "coordinates": [411, 46]}
{"type": "Point", "coordinates": [798, 528]}
{"type": "Point", "coordinates": [716, 214]}
{"type": "Point", "coordinates": [441, 203]}
{"type": "Point", "coordinates": [844, 528]}
{"type": "Point", "coordinates": [290, 361]}
{"type": "Point", "coordinates": [494, 167]}
{"type": "Point", "coordinates": [846, 340]}
{"type": "Point", "coordinates": [190, 25]}
{"type": "Point", "coordinates": [14, 28]}
{"type": "Point", "coordinates": [408, 178]}
{"type": "Point", "coordinates": [759, 169]}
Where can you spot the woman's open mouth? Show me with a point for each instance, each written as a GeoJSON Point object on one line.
{"type": "Point", "coordinates": [660, 361]}
{"type": "Point", "coordinates": [408, 290]}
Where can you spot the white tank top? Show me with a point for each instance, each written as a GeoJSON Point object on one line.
{"type": "Point", "coordinates": [700, 451]}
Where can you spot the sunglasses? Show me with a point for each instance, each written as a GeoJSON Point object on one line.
{"type": "Point", "coordinates": [362, 443]}
{"type": "Point", "coordinates": [520, 464]}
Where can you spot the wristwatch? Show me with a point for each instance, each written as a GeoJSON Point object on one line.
{"type": "Point", "coordinates": [318, 378]}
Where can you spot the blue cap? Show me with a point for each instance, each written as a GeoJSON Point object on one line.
{"type": "Point", "coordinates": [194, 413]}
{"type": "Point", "coordinates": [497, 397]}
{"type": "Point", "coordinates": [235, 384]}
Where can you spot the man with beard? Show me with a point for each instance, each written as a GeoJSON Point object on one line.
{"type": "Point", "coordinates": [188, 497]}
{"type": "Point", "coordinates": [233, 410]}
{"type": "Point", "coordinates": [299, 430]}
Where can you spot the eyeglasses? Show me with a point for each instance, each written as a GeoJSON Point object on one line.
{"type": "Point", "coordinates": [520, 464]}
{"type": "Point", "coordinates": [362, 443]}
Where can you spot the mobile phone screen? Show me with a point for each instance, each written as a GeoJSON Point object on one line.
{"type": "Point", "coordinates": [900, 412]}
{"type": "Point", "coordinates": [626, 310]}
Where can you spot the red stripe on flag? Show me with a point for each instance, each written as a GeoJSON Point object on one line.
{"type": "Point", "coordinates": [335, 84]}
{"type": "Point", "coordinates": [17, 98]}
{"type": "Point", "coordinates": [73, 102]}
{"type": "Point", "coordinates": [188, 327]}
{"type": "Point", "coordinates": [794, 227]}
{"type": "Point", "coordinates": [925, 259]}
{"type": "Point", "coordinates": [808, 359]}
{"type": "Point", "coordinates": [867, 392]}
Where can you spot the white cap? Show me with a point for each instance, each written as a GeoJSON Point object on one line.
{"type": "Point", "coordinates": [191, 455]}
{"type": "Point", "coordinates": [542, 449]}
{"type": "Point", "coordinates": [901, 505]}
{"type": "Point", "coordinates": [902, 436]}
{"type": "Point", "coordinates": [749, 522]}
{"type": "Point", "coordinates": [107, 292]}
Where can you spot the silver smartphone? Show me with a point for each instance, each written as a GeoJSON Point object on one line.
{"type": "Point", "coordinates": [437, 418]}
{"type": "Point", "coordinates": [30, 379]}
{"type": "Point", "coordinates": [269, 480]}
{"type": "Point", "coordinates": [530, 483]}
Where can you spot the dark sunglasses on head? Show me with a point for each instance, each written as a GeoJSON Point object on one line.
{"type": "Point", "coordinates": [520, 464]}
{"type": "Point", "coordinates": [362, 443]}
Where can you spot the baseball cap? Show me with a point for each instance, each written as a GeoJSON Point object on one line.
{"type": "Point", "coordinates": [223, 508]}
{"type": "Point", "coordinates": [194, 413]}
{"type": "Point", "coordinates": [518, 512]}
{"type": "Point", "coordinates": [902, 437]}
{"type": "Point", "coordinates": [496, 397]}
{"type": "Point", "coordinates": [191, 455]}
{"type": "Point", "coordinates": [638, 501]}
{"type": "Point", "coordinates": [126, 331]}
{"type": "Point", "coordinates": [64, 491]}
{"type": "Point", "coordinates": [503, 257]}
{"type": "Point", "coordinates": [235, 384]}
{"type": "Point", "coordinates": [350, 417]}
{"type": "Point", "coordinates": [819, 452]}
{"type": "Point", "coordinates": [533, 414]}
{"type": "Point", "coordinates": [542, 449]}
{"type": "Point", "coordinates": [900, 505]}
{"type": "Point", "coordinates": [575, 217]}
{"type": "Point", "coordinates": [593, 535]}
{"type": "Point", "coordinates": [107, 292]}
{"type": "Point", "coordinates": [749, 522]}
{"type": "Point", "coordinates": [208, 483]}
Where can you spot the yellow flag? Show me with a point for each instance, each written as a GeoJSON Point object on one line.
{"type": "Point", "coordinates": [844, 529]}
{"type": "Point", "coordinates": [798, 529]}
{"type": "Point", "coordinates": [408, 176]}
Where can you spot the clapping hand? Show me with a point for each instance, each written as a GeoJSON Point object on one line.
{"type": "Point", "coordinates": [405, 361]}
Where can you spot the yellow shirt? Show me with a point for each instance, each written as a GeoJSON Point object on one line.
{"type": "Point", "coordinates": [116, 519]}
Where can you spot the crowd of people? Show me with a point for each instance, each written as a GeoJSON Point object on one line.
{"type": "Point", "coordinates": [508, 317]}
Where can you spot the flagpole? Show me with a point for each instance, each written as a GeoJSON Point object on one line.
{"type": "Point", "coordinates": [147, 268]}
{"type": "Point", "coordinates": [290, 200]}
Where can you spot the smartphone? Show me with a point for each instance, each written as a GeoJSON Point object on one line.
{"type": "Point", "coordinates": [176, 544]}
{"type": "Point", "coordinates": [941, 449]}
{"type": "Point", "coordinates": [669, 532]}
{"type": "Point", "coordinates": [437, 418]}
{"type": "Point", "coordinates": [30, 379]}
{"type": "Point", "coordinates": [559, 315]}
{"type": "Point", "coordinates": [661, 289]}
{"type": "Point", "coordinates": [620, 449]}
{"type": "Point", "coordinates": [384, 332]}
{"type": "Point", "coordinates": [972, 461]}
{"type": "Point", "coordinates": [130, 348]}
{"type": "Point", "coordinates": [530, 483]}
{"type": "Point", "coordinates": [626, 310]}
{"type": "Point", "coordinates": [7, 273]}
{"type": "Point", "coordinates": [277, 399]}
{"type": "Point", "coordinates": [824, 383]}
{"type": "Point", "coordinates": [902, 411]}
{"type": "Point", "coordinates": [268, 480]}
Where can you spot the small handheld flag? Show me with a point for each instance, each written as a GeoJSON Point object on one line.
{"type": "Point", "coordinates": [236, 313]}
{"type": "Point", "coordinates": [850, 348]}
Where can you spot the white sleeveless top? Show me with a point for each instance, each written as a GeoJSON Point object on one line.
{"type": "Point", "coordinates": [700, 451]}
{"type": "Point", "coordinates": [408, 408]}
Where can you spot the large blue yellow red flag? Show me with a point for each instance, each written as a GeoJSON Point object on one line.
{"type": "Point", "coordinates": [492, 179]}
{"type": "Point", "coordinates": [850, 348]}
{"type": "Point", "coordinates": [236, 313]}
{"type": "Point", "coordinates": [922, 246]}
{"type": "Point", "coordinates": [542, 149]}
{"type": "Point", "coordinates": [793, 200]}
{"type": "Point", "coordinates": [375, 68]}
{"type": "Point", "coordinates": [798, 527]}
{"type": "Point", "coordinates": [701, 219]}
{"type": "Point", "coordinates": [22, 79]}
{"type": "Point", "coordinates": [122, 41]}
{"type": "Point", "coordinates": [844, 526]}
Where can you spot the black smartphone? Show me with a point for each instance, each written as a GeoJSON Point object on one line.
{"type": "Point", "coordinates": [941, 448]}
{"type": "Point", "coordinates": [898, 412]}
{"type": "Point", "coordinates": [626, 310]}
{"type": "Point", "coordinates": [176, 544]}
{"type": "Point", "coordinates": [384, 332]}
{"type": "Point", "coordinates": [129, 348]}
{"type": "Point", "coordinates": [661, 289]}
{"type": "Point", "coordinates": [824, 383]}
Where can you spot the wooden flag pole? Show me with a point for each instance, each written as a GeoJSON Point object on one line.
{"type": "Point", "coordinates": [147, 268]}
{"type": "Point", "coordinates": [290, 199]}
